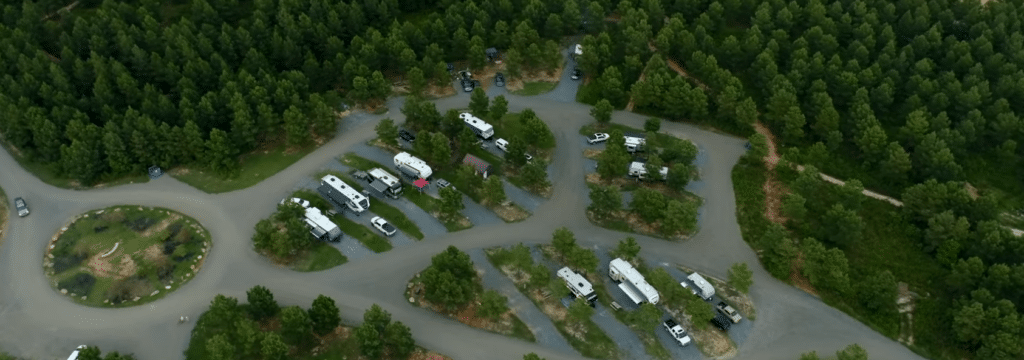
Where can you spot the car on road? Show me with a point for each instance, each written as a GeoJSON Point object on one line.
{"type": "Point", "coordinates": [382, 225]}
{"type": "Point", "coordinates": [499, 79]}
{"type": "Point", "coordinates": [729, 312]}
{"type": "Point", "coordinates": [442, 183]}
{"type": "Point", "coordinates": [677, 332]}
{"type": "Point", "coordinates": [406, 135]}
{"type": "Point", "coordinates": [576, 73]}
{"type": "Point", "coordinates": [301, 202]}
{"type": "Point", "coordinates": [467, 85]}
{"type": "Point", "coordinates": [19, 204]}
{"type": "Point", "coordinates": [721, 322]}
{"type": "Point", "coordinates": [597, 137]}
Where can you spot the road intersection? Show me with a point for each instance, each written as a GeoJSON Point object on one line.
{"type": "Point", "coordinates": [41, 323]}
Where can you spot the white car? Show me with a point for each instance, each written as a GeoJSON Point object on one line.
{"type": "Point", "coordinates": [303, 203]}
{"type": "Point", "coordinates": [597, 137]}
{"type": "Point", "coordinates": [382, 225]}
{"type": "Point", "coordinates": [501, 144]}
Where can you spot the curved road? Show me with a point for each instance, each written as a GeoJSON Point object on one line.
{"type": "Point", "coordinates": [41, 323]}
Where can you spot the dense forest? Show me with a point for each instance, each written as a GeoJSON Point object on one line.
{"type": "Point", "coordinates": [911, 97]}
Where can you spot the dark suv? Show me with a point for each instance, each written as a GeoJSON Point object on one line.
{"type": "Point", "coordinates": [722, 322]}
{"type": "Point", "coordinates": [406, 135]}
{"type": "Point", "coordinates": [21, 207]}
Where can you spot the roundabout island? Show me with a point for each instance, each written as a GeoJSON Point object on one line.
{"type": "Point", "coordinates": [125, 255]}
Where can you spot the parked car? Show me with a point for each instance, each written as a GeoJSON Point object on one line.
{"type": "Point", "coordinates": [19, 204]}
{"type": "Point", "coordinates": [722, 322]}
{"type": "Point", "coordinates": [442, 183]}
{"type": "Point", "coordinates": [465, 75]}
{"type": "Point", "coordinates": [499, 80]}
{"type": "Point", "coordinates": [677, 332]}
{"type": "Point", "coordinates": [467, 85]}
{"type": "Point", "coordinates": [303, 203]}
{"type": "Point", "coordinates": [382, 225]}
{"type": "Point", "coordinates": [501, 144]}
{"type": "Point", "coordinates": [729, 312]}
{"type": "Point", "coordinates": [576, 73]}
{"type": "Point", "coordinates": [406, 135]}
{"type": "Point", "coordinates": [597, 137]}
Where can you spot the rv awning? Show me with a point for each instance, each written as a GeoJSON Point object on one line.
{"type": "Point", "coordinates": [378, 185]}
{"type": "Point", "coordinates": [626, 288]}
{"type": "Point", "coordinates": [317, 232]}
{"type": "Point", "coordinates": [476, 163]}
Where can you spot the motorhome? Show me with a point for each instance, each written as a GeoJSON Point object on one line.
{"type": "Point", "coordinates": [632, 283]}
{"type": "Point", "coordinates": [385, 183]}
{"type": "Point", "coordinates": [480, 128]}
{"type": "Point", "coordinates": [577, 51]}
{"type": "Point", "coordinates": [412, 166]}
{"type": "Point", "coordinates": [320, 226]}
{"type": "Point", "coordinates": [639, 169]}
{"type": "Point", "coordinates": [580, 287]}
{"type": "Point", "coordinates": [702, 286]}
{"type": "Point", "coordinates": [332, 188]}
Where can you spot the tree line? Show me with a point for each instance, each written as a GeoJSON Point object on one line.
{"type": "Point", "coordinates": [111, 88]}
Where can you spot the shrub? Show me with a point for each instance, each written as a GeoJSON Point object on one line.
{"type": "Point", "coordinates": [68, 261]}
{"type": "Point", "coordinates": [80, 284]}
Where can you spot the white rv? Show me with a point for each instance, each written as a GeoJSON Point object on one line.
{"type": "Point", "coordinates": [703, 287]}
{"type": "Point", "coordinates": [341, 193]}
{"type": "Point", "coordinates": [479, 127]}
{"type": "Point", "coordinates": [639, 169]}
{"type": "Point", "coordinates": [412, 166]}
{"type": "Point", "coordinates": [632, 283]}
{"type": "Point", "coordinates": [634, 144]}
{"type": "Point", "coordinates": [384, 182]}
{"type": "Point", "coordinates": [577, 50]}
{"type": "Point", "coordinates": [579, 285]}
{"type": "Point", "coordinates": [320, 226]}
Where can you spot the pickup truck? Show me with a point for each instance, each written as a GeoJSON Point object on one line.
{"type": "Point", "coordinates": [729, 312]}
{"type": "Point", "coordinates": [677, 332]}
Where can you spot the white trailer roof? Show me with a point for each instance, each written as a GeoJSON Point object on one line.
{"type": "Point", "coordinates": [384, 176]}
{"type": "Point", "coordinates": [476, 122]}
{"type": "Point", "coordinates": [575, 280]}
{"type": "Point", "coordinates": [413, 162]}
{"type": "Point", "coordinates": [702, 284]}
{"type": "Point", "coordinates": [314, 216]}
{"type": "Point", "coordinates": [636, 279]}
{"type": "Point", "coordinates": [344, 189]}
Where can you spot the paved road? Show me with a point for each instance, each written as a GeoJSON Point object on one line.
{"type": "Point", "coordinates": [41, 323]}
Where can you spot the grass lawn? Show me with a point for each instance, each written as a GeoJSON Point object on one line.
{"type": "Point", "coordinates": [319, 257]}
{"type": "Point", "coordinates": [424, 201]}
{"type": "Point", "coordinates": [535, 88]}
{"type": "Point", "coordinates": [255, 167]}
{"type": "Point", "coordinates": [584, 336]}
{"type": "Point", "coordinates": [509, 126]}
{"type": "Point", "coordinates": [150, 249]}
{"type": "Point", "coordinates": [364, 234]}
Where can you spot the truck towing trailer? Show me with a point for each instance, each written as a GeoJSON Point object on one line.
{"type": "Point", "coordinates": [332, 188]}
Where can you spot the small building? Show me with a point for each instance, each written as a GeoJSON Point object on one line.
{"type": "Point", "coordinates": [478, 164]}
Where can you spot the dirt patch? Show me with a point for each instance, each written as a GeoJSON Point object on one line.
{"type": "Point", "coordinates": [154, 252]}
{"type": "Point", "coordinates": [797, 277]}
{"type": "Point", "coordinates": [510, 212]}
{"type": "Point", "coordinates": [550, 75]}
{"type": "Point", "coordinates": [161, 226]}
{"type": "Point", "coordinates": [463, 221]}
{"type": "Point", "coordinates": [971, 190]}
{"type": "Point", "coordinates": [592, 154]}
{"type": "Point", "coordinates": [905, 304]}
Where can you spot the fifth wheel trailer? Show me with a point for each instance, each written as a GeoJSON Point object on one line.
{"type": "Point", "coordinates": [320, 226]}
{"type": "Point", "coordinates": [579, 286]}
{"type": "Point", "coordinates": [412, 166]}
{"type": "Point", "coordinates": [632, 283]}
{"type": "Point", "coordinates": [341, 193]}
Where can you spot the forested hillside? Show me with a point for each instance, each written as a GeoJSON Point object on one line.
{"type": "Point", "coordinates": [110, 88]}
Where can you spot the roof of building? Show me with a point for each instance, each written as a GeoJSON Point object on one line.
{"type": "Point", "coordinates": [476, 163]}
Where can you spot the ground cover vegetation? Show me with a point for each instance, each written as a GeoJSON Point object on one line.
{"type": "Point", "coordinates": [96, 91]}
{"type": "Point", "coordinates": [851, 352]}
{"type": "Point", "coordinates": [535, 280]}
{"type": "Point", "coordinates": [451, 286]}
{"type": "Point", "coordinates": [120, 255]}
{"type": "Point", "coordinates": [285, 239]}
{"type": "Point", "coordinates": [263, 329]}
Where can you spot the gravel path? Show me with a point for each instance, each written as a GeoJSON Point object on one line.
{"type": "Point", "coordinates": [478, 214]}
{"type": "Point", "coordinates": [543, 329]}
{"type": "Point", "coordinates": [524, 198]}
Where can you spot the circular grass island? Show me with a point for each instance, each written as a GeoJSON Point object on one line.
{"type": "Point", "coordinates": [125, 255]}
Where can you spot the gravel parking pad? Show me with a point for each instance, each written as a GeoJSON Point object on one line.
{"type": "Point", "coordinates": [689, 352]}
{"type": "Point", "coordinates": [737, 332]}
{"type": "Point", "coordinates": [428, 224]}
{"type": "Point", "coordinates": [566, 89]}
{"type": "Point", "coordinates": [543, 329]}
{"type": "Point", "coordinates": [351, 248]}
{"type": "Point", "coordinates": [627, 340]}
{"type": "Point", "coordinates": [519, 196]}
{"type": "Point", "coordinates": [478, 214]}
